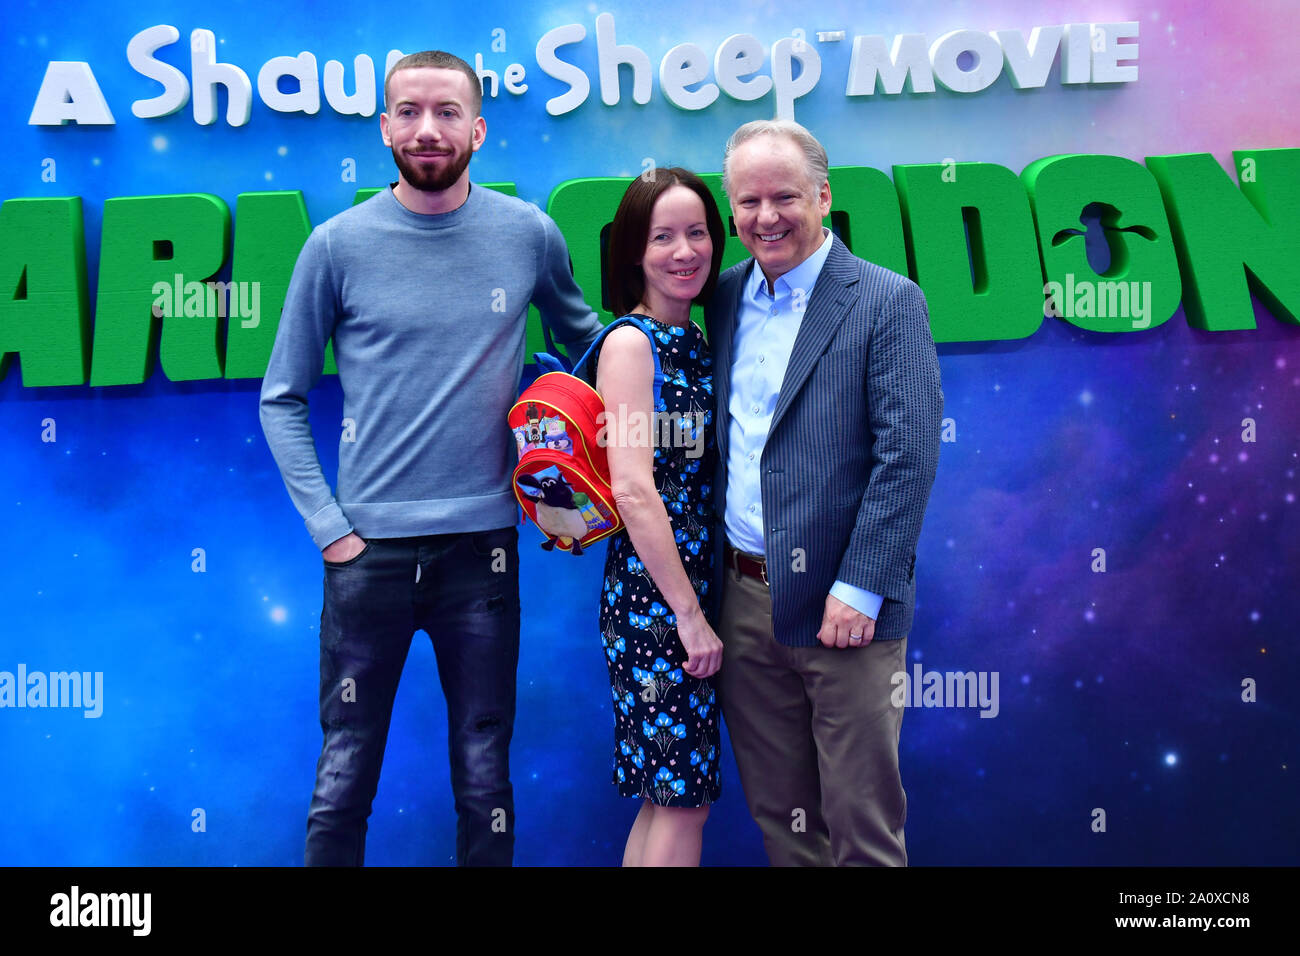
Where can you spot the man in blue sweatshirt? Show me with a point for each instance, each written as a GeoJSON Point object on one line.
{"type": "Point", "coordinates": [424, 290]}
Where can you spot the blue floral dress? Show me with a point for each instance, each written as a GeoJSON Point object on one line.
{"type": "Point", "coordinates": [666, 742]}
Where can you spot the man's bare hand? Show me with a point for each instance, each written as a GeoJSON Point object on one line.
{"type": "Point", "coordinates": [842, 626]}
{"type": "Point", "coordinates": [344, 549]}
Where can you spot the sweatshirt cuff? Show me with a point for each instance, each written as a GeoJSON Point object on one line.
{"type": "Point", "coordinates": [860, 599]}
{"type": "Point", "coordinates": [328, 525]}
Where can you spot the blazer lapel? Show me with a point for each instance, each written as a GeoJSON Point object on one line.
{"type": "Point", "coordinates": [827, 306]}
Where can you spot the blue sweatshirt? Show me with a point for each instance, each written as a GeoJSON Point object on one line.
{"type": "Point", "coordinates": [427, 314]}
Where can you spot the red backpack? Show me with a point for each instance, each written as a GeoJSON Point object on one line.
{"type": "Point", "coordinates": [562, 479]}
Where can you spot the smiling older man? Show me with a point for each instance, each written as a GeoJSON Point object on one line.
{"type": "Point", "coordinates": [827, 370]}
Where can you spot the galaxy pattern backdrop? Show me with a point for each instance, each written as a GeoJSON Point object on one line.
{"type": "Point", "coordinates": [1109, 547]}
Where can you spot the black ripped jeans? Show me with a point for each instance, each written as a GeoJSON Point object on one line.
{"type": "Point", "coordinates": [467, 599]}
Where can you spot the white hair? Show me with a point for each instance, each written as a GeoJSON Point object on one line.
{"type": "Point", "coordinates": [815, 161]}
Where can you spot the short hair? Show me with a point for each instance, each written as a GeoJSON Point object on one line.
{"type": "Point", "coordinates": [815, 161]}
{"type": "Point", "coordinates": [440, 60]}
{"type": "Point", "coordinates": [630, 231]}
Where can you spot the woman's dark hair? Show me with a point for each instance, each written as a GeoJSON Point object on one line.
{"type": "Point", "coordinates": [630, 232]}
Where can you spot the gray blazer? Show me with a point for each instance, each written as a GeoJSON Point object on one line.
{"type": "Point", "coordinates": [853, 445]}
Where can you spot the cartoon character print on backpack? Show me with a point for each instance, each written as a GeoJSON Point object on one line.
{"type": "Point", "coordinates": [559, 510]}
{"type": "Point", "coordinates": [542, 431]}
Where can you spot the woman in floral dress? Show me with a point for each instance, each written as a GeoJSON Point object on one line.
{"type": "Point", "coordinates": [664, 253]}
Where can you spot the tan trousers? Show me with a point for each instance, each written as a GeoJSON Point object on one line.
{"type": "Point", "coordinates": [815, 737]}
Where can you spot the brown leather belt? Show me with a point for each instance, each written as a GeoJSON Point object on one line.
{"type": "Point", "coordinates": [747, 564]}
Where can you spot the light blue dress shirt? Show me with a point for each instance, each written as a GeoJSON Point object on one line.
{"type": "Point", "coordinates": [764, 338]}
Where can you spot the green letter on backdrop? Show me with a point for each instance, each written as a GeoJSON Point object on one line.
{"type": "Point", "coordinates": [147, 241]}
{"type": "Point", "coordinates": [1232, 242]}
{"type": "Point", "coordinates": [1141, 246]}
{"type": "Point", "coordinates": [44, 304]}
{"type": "Point", "coordinates": [971, 241]}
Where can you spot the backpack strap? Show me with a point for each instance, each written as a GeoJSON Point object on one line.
{"type": "Point", "coordinates": [551, 360]}
{"type": "Point", "coordinates": [585, 367]}
{"type": "Point", "coordinates": [549, 363]}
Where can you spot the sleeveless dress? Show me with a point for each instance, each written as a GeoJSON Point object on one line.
{"type": "Point", "coordinates": [666, 731]}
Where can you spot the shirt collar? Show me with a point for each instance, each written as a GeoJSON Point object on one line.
{"type": "Point", "coordinates": [803, 276]}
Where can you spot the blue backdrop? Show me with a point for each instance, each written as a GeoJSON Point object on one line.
{"type": "Point", "coordinates": [1120, 690]}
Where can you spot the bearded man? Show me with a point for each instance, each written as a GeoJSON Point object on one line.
{"type": "Point", "coordinates": [424, 290]}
